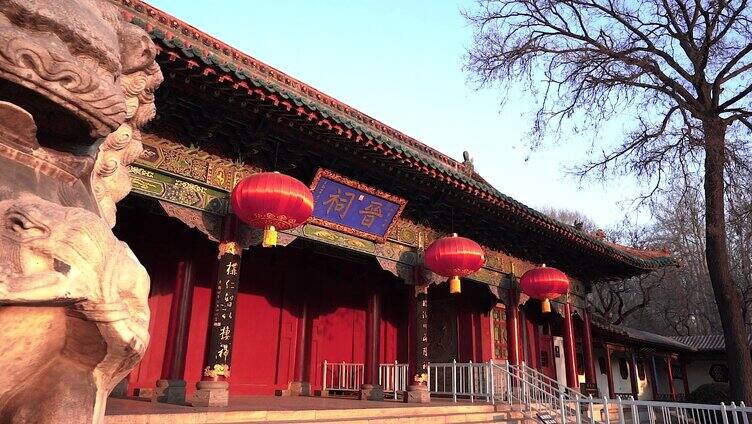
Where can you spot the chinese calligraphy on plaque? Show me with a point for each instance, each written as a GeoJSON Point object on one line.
{"type": "Point", "coordinates": [421, 336]}
{"type": "Point", "coordinates": [223, 310]}
{"type": "Point", "coordinates": [352, 207]}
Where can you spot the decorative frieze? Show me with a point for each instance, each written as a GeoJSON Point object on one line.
{"type": "Point", "coordinates": [190, 177]}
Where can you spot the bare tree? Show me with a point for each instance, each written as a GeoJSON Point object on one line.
{"type": "Point", "coordinates": [683, 66]}
{"type": "Point", "coordinates": [574, 218]}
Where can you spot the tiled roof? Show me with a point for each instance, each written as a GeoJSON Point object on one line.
{"type": "Point", "coordinates": [247, 73]}
{"type": "Point", "coordinates": [707, 342]}
{"type": "Point", "coordinates": [640, 336]}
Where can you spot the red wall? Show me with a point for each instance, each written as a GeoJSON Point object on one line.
{"type": "Point", "coordinates": [273, 286]}
{"type": "Point", "coordinates": [161, 243]}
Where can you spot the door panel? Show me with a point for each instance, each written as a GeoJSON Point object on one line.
{"type": "Point", "coordinates": [546, 358]}
{"type": "Point", "coordinates": [442, 330]}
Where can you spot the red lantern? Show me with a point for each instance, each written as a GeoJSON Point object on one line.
{"type": "Point", "coordinates": [454, 257]}
{"type": "Point", "coordinates": [272, 201]}
{"type": "Point", "coordinates": [544, 283]}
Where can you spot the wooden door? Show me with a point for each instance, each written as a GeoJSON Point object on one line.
{"type": "Point", "coordinates": [546, 358]}
{"type": "Point", "coordinates": [442, 330]}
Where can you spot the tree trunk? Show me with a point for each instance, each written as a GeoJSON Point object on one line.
{"type": "Point", "coordinates": [719, 265]}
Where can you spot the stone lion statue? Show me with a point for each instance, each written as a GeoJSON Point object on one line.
{"type": "Point", "coordinates": [76, 84]}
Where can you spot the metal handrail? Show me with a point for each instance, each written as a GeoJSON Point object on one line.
{"type": "Point", "coordinates": [624, 411]}
{"type": "Point", "coordinates": [464, 380]}
{"type": "Point", "coordinates": [342, 376]}
{"type": "Point", "coordinates": [393, 378]}
{"type": "Point", "coordinates": [568, 391]}
{"type": "Point", "coordinates": [533, 393]}
{"type": "Point", "coordinates": [500, 381]}
{"type": "Point", "coordinates": [538, 379]}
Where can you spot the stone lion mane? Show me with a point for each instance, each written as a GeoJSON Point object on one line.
{"type": "Point", "coordinates": [73, 298]}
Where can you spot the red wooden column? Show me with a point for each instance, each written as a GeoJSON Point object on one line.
{"type": "Point", "coordinates": [653, 378]}
{"type": "Point", "coordinates": [417, 373]}
{"type": "Point", "coordinates": [569, 350]}
{"type": "Point", "coordinates": [171, 385]}
{"type": "Point", "coordinates": [609, 371]}
{"type": "Point", "coordinates": [513, 328]}
{"type": "Point", "coordinates": [684, 378]}
{"type": "Point", "coordinates": [212, 390]}
{"type": "Point", "coordinates": [670, 374]}
{"type": "Point", "coordinates": [371, 390]}
{"type": "Point", "coordinates": [532, 342]}
{"type": "Point", "coordinates": [587, 353]}
{"type": "Point", "coordinates": [300, 386]}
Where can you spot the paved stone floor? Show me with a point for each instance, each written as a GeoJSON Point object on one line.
{"type": "Point", "coordinates": [264, 403]}
{"type": "Point", "coordinates": [253, 409]}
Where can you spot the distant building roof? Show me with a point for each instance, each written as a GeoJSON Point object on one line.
{"type": "Point", "coordinates": [707, 342]}
{"type": "Point", "coordinates": [640, 337]}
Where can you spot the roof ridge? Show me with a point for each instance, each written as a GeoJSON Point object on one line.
{"type": "Point", "coordinates": [292, 82]}
{"type": "Point", "coordinates": [269, 76]}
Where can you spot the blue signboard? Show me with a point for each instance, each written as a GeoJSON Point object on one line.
{"type": "Point", "coordinates": [354, 208]}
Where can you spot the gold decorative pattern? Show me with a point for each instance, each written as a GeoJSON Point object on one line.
{"type": "Point", "coordinates": [220, 175]}
{"type": "Point", "coordinates": [166, 155]}
{"type": "Point", "coordinates": [218, 370]}
{"type": "Point", "coordinates": [228, 247]}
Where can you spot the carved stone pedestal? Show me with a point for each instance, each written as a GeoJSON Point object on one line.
{"type": "Point", "coordinates": [211, 393]}
{"type": "Point", "coordinates": [296, 388]}
{"type": "Point", "coordinates": [170, 391]}
{"type": "Point", "coordinates": [371, 392]}
{"type": "Point", "coordinates": [417, 393]}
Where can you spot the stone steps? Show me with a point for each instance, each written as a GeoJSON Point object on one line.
{"type": "Point", "coordinates": [394, 415]}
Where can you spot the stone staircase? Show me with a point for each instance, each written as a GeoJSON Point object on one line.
{"type": "Point", "coordinates": [445, 413]}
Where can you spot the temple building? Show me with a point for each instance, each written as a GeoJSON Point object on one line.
{"type": "Point", "coordinates": [345, 300]}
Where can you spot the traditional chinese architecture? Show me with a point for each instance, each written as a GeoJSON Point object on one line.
{"type": "Point", "coordinates": [640, 364]}
{"type": "Point", "coordinates": [348, 290]}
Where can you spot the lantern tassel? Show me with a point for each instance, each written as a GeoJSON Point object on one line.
{"type": "Point", "coordinates": [270, 237]}
{"type": "Point", "coordinates": [546, 306]}
{"type": "Point", "coordinates": [455, 286]}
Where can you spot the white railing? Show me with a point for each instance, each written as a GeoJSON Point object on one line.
{"type": "Point", "coordinates": [532, 391]}
{"type": "Point", "coordinates": [343, 377]}
{"type": "Point", "coordinates": [534, 376]}
{"type": "Point", "coordinates": [623, 411]}
{"type": "Point", "coordinates": [537, 393]}
{"type": "Point", "coordinates": [393, 378]}
{"type": "Point", "coordinates": [464, 380]}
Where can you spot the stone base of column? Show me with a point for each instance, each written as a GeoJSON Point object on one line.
{"type": "Point", "coordinates": [371, 392]}
{"type": "Point", "coordinates": [417, 393]}
{"type": "Point", "coordinates": [211, 393]}
{"type": "Point", "coordinates": [144, 393]}
{"type": "Point", "coordinates": [296, 388]}
{"type": "Point", "coordinates": [170, 391]}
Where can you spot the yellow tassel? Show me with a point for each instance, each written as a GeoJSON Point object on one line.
{"type": "Point", "coordinates": [454, 285]}
{"type": "Point", "coordinates": [546, 306]}
{"type": "Point", "coordinates": [270, 237]}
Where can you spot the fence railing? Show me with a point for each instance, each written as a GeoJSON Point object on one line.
{"type": "Point", "coordinates": [461, 380]}
{"type": "Point", "coordinates": [393, 378]}
{"type": "Point", "coordinates": [535, 392]}
{"type": "Point", "coordinates": [629, 411]}
{"type": "Point", "coordinates": [348, 377]}
{"type": "Point", "coordinates": [534, 375]}
{"type": "Point", "coordinates": [342, 376]}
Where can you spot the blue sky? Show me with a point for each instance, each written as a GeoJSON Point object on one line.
{"type": "Point", "coordinates": [401, 62]}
